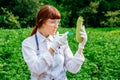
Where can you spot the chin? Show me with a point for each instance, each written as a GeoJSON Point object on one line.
{"type": "Point", "coordinates": [52, 34]}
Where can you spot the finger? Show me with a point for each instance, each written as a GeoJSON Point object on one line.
{"type": "Point", "coordinates": [65, 34]}
{"type": "Point", "coordinates": [83, 29]}
{"type": "Point", "coordinates": [83, 34]}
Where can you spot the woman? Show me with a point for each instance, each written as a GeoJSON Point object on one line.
{"type": "Point", "coordinates": [46, 53]}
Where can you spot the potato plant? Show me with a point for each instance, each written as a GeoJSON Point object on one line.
{"type": "Point", "coordinates": [101, 52]}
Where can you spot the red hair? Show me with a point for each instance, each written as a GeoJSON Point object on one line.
{"type": "Point", "coordinates": [46, 12]}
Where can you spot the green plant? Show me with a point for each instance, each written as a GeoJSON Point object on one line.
{"type": "Point", "coordinates": [101, 53]}
{"type": "Point", "coordinates": [8, 20]}
{"type": "Point", "coordinates": [113, 19]}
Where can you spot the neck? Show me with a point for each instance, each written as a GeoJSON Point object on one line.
{"type": "Point", "coordinates": [43, 32]}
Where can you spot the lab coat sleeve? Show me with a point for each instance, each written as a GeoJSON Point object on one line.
{"type": "Point", "coordinates": [73, 63]}
{"type": "Point", "coordinates": [36, 64]}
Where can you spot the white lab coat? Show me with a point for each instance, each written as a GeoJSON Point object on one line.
{"type": "Point", "coordinates": [46, 66]}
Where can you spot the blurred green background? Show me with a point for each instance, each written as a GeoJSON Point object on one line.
{"type": "Point", "coordinates": [96, 13]}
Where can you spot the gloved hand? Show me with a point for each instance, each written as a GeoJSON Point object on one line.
{"type": "Point", "coordinates": [84, 38]}
{"type": "Point", "coordinates": [59, 40]}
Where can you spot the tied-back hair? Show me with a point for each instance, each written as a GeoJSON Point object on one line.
{"type": "Point", "coordinates": [46, 12]}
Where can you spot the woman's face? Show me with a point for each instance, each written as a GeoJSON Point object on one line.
{"type": "Point", "coordinates": [51, 26]}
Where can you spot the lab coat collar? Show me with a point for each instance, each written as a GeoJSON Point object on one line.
{"type": "Point", "coordinates": [43, 38]}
